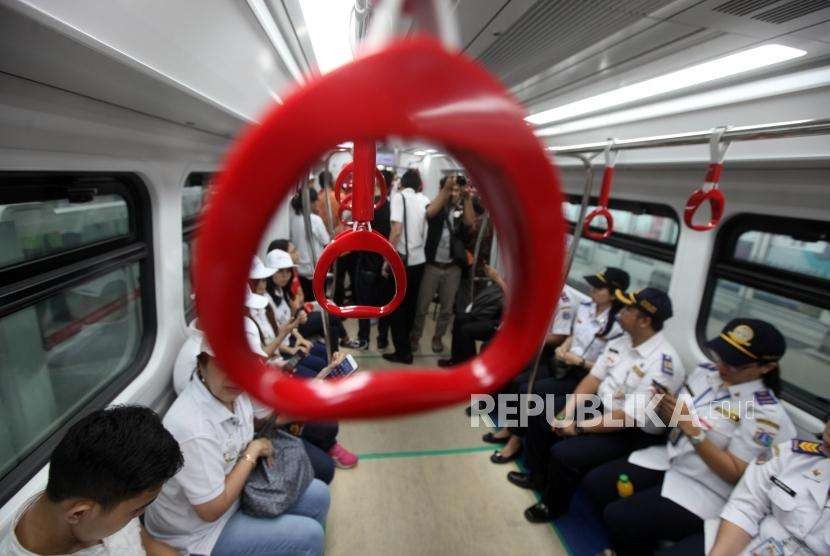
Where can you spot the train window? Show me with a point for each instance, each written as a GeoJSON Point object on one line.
{"type": "Point", "coordinates": [193, 198]}
{"type": "Point", "coordinates": [643, 244]}
{"type": "Point", "coordinates": [778, 270]}
{"type": "Point", "coordinates": [77, 316]}
{"type": "Point", "coordinates": [38, 229]}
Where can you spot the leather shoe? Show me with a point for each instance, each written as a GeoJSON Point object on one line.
{"type": "Point", "coordinates": [496, 457]}
{"type": "Point", "coordinates": [521, 480]}
{"type": "Point", "coordinates": [539, 513]}
{"type": "Point", "coordinates": [490, 438]}
{"type": "Point", "coordinates": [446, 362]}
{"type": "Point", "coordinates": [396, 358]}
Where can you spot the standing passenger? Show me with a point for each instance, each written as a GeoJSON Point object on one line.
{"type": "Point", "coordinates": [319, 235]}
{"type": "Point", "coordinates": [198, 510]}
{"type": "Point", "coordinates": [408, 217]}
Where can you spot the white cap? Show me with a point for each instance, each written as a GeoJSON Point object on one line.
{"type": "Point", "coordinates": [254, 300]}
{"type": "Point", "coordinates": [279, 259]}
{"type": "Point", "coordinates": [259, 271]}
{"type": "Point", "coordinates": [204, 347]}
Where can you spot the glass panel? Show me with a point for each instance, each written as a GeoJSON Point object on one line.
{"type": "Point", "coordinates": [193, 197]}
{"type": "Point", "coordinates": [34, 230]}
{"type": "Point", "coordinates": [805, 257]}
{"type": "Point", "coordinates": [57, 354]}
{"type": "Point", "coordinates": [592, 256]}
{"type": "Point", "coordinates": [806, 328]}
{"type": "Point", "coordinates": [187, 286]}
{"type": "Point", "coordinates": [646, 226]}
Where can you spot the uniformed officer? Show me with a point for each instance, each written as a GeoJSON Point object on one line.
{"type": "Point", "coordinates": [624, 378]}
{"type": "Point", "coordinates": [679, 485]}
{"type": "Point", "coordinates": [576, 338]}
{"type": "Point", "coordinates": [781, 505]}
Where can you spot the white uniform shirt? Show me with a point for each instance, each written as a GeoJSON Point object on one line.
{"type": "Point", "coordinates": [588, 323]}
{"type": "Point", "coordinates": [416, 224]}
{"type": "Point", "coordinates": [211, 439]}
{"type": "Point", "coordinates": [782, 501]}
{"type": "Point", "coordinates": [626, 373]}
{"type": "Point", "coordinates": [734, 419]}
{"type": "Point", "coordinates": [296, 228]}
{"type": "Point", "coordinates": [442, 252]}
{"type": "Point", "coordinates": [563, 317]}
{"type": "Point", "coordinates": [186, 359]}
{"type": "Point", "coordinates": [124, 542]}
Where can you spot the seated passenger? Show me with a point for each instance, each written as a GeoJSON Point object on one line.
{"type": "Point", "coordinates": [479, 322]}
{"type": "Point", "coordinates": [110, 465]}
{"type": "Point", "coordinates": [687, 481]}
{"type": "Point", "coordinates": [567, 359]}
{"type": "Point", "coordinates": [185, 364]}
{"type": "Point", "coordinates": [781, 505]}
{"type": "Point", "coordinates": [624, 378]}
{"type": "Point", "coordinates": [198, 510]}
{"type": "Point", "coordinates": [292, 292]}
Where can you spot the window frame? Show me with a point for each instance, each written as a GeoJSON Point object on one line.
{"type": "Point", "coordinates": [190, 226]}
{"type": "Point", "coordinates": [639, 246]}
{"type": "Point", "coordinates": [26, 283]}
{"type": "Point", "coordinates": [792, 285]}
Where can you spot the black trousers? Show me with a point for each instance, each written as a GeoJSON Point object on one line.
{"type": "Point", "coordinates": [466, 330]}
{"type": "Point", "coordinates": [403, 317]}
{"type": "Point", "coordinates": [571, 458]}
{"type": "Point", "coordinates": [377, 291]}
{"type": "Point", "coordinates": [546, 385]}
{"type": "Point", "coordinates": [636, 524]}
{"type": "Point", "coordinates": [314, 327]}
{"type": "Point", "coordinates": [345, 265]}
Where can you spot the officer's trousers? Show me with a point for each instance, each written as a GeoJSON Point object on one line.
{"type": "Point", "coordinates": [572, 458]}
{"type": "Point", "coordinates": [545, 386]}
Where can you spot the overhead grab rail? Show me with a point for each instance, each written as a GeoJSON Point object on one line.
{"type": "Point", "coordinates": [709, 191]}
{"type": "Point", "coordinates": [602, 211]}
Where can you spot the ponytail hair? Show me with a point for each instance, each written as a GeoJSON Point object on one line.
{"type": "Point", "coordinates": [772, 380]}
{"type": "Point", "coordinates": [616, 307]}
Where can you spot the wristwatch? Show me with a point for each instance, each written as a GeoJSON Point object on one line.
{"type": "Point", "coordinates": [249, 458]}
{"type": "Point", "coordinates": [697, 438]}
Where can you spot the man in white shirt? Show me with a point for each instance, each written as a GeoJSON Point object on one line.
{"type": "Point", "coordinates": [107, 469]}
{"type": "Point", "coordinates": [408, 214]}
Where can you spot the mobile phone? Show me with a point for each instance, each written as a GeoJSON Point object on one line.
{"type": "Point", "coordinates": [292, 362]}
{"type": "Point", "coordinates": [345, 368]}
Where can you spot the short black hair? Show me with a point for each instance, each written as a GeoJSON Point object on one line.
{"type": "Point", "coordinates": [297, 200]}
{"type": "Point", "coordinates": [325, 179]}
{"type": "Point", "coordinates": [112, 455]}
{"type": "Point", "coordinates": [281, 244]}
{"type": "Point", "coordinates": [411, 178]}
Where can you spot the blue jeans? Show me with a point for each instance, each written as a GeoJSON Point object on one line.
{"type": "Point", "coordinates": [297, 532]}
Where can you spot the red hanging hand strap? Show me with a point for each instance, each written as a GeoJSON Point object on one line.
{"type": "Point", "coordinates": [709, 191]}
{"type": "Point", "coordinates": [602, 211]}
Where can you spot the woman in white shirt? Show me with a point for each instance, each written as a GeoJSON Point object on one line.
{"type": "Point", "coordinates": [298, 237]}
{"type": "Point", "coordinates": [198, 510]}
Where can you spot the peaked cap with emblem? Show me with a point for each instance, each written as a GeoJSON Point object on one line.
{"type": "Point", "coordinates": [612, 278]}
{"type": "Point", "coordinates": [652, 301]}
{"type": "Point", "coordinates": [745, 341]}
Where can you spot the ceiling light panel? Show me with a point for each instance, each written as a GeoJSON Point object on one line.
{"type": "Point", "coordinates": [329, 25]}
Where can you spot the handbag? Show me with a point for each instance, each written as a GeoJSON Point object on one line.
{"type": "Point", "coordinates": [270, 491]}
{"type": "Point", "coordinates": [488, 304]}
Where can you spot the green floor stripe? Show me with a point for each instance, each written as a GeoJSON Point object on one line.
{"type": "Point", "coordinates": [425, 453]}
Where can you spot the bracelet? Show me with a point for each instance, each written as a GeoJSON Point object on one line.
{"type": "Point", "coordinates": [248, 457]}
{"type": "Point", "coordinates": [697, 438]}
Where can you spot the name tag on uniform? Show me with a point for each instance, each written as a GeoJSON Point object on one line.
{"type": "Point", "coordinates": [782, 485]}
{"type": "Point", "coordinates": [638, 371]}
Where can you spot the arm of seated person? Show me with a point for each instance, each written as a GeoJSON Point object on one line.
{"type": "Point", "coordinates": [554, 340]}
{"type": "Point", "coordinates": [234, 481]}
{"type": "Point", "coordinates": [731, 540]}
{"type": "Point", "coordinates": [587, 386]}
{"type": "Point", "coordinates": [154, 547]}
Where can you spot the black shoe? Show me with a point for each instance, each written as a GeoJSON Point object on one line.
{"type": "Point", "coordinates": [469, 410]}
{"type": "Point", "coordinates": [395, 358]}
{"type": "Point", "coordinates": [539, 513]}
{"type": "Point", "coordinates": [490, 438]}
{"type": "Point", "coordinates": [496, 457]}
{"type": "Point", "coordinates": [521, 480]}
{"type": "Point", "coordinates": [383, 344]}
{"type": "Point", "coordinates": [446, 362]}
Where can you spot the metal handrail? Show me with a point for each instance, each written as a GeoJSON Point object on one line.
{"type": "Point", "coordinates": [776, 130]}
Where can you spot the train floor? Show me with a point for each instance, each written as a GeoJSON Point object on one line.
{"type": "Point", "coordinates": [425, 485]}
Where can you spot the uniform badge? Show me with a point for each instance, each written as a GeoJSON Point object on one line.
{"type": "Point", "coordinates": [763, 438]}
{"type": "Point", "coordinates": [638, 371]}
{"type": "Point", "coordinates": [566, 315]}
{"type": "Point", "coordinates": [806, 447]}
{"type": "Point", "coordinates": [765, 397]}
{"type": "Point", "coordinates": [767, 422]}
{"type": "Point", "coordinates": [772, 452]}
{"type": "Point", "coordinates": [668, 365]}
{"type": "Point", "coordinates": [730, 414]}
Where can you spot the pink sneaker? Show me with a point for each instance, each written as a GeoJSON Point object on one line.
{"type": "Point", "coordinates": [343, 458]}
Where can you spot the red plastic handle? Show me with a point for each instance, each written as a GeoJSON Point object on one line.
{"type": "Point", "coordinates": [471, 116]}
{"type": "Point", "coordinates": [343, 184]}
{"type": "Point", "coordinates": [717, 201]}
{"type": "Point", "coordinates": [359, 240]}
{"type": "Point", "coordinates": [602, 208]}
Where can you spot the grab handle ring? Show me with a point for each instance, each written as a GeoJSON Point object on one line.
{"type": "Point", "coordinates": [342, 185]}
{"type": "Point", "coordinates": [360, 238]}
{"type": "Point", "coordinates": [602, 211]}
{"type": "Point", "coordinates": [710, 190]}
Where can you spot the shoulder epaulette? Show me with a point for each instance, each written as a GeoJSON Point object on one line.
{"type": "Point", "coordinates": [807, 447]}
{"type": "Point", "coordinates": [765, 397]}
{"type": "Point", "coordinates": [585, 302]}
